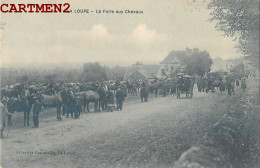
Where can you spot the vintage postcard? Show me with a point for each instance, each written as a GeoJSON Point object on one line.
{"type": "Point", "coordinates": [129, 83]}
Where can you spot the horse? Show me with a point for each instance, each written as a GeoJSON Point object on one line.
{"type": "Point", "coordinates": [55, 100]}
{"type": "Point", "coordinates": [153, 88]}
{"type": "Point", "coordinates": [9, 92]}
{"type": "Point", "coordinates": [22, 104]}
{"type": "Point", "coordinates": [113, 87]}
{"type": "Point", "coordinates": [87, 97]}
{"type": "Point", "coordinates": [131, 88]}
{"type": "Point", "coordinates": [34, 89]}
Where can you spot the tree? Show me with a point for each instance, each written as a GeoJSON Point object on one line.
{"type": "Point", "coordinates": [22, 79]}
{"type": "Point", "coordinates": [50, 77]}
{"type": "Point", "coordinates": [197, 62]}
{"type": "Point", "coordinates": [116, 72]}
{"type": "Point", "coordinates": [239, 19]}
{"type": "Point", "coordinates": [238, 70]}
{"type": "Point", "coordinates": [94, 72]}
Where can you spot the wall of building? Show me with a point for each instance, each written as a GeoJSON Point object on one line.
{"type": "Point", "coordinates": [168, 69]}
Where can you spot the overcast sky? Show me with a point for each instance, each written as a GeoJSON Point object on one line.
{"type": "Point", "coordinates": [111, 39]}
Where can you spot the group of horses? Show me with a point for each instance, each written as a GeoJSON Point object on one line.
{"type": "Point", "coordinates": [75, 97]}
{"type": "Point", "coordinates": [63, 100]}
{"type": "Point", "coordinates": [67, 97]}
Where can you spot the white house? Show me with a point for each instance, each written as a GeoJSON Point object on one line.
{"type": "Point", "coordinates": [172, 63]}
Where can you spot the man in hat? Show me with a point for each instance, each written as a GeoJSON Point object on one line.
{"type": "Point", "coordinates": [37, 108]}
{"type": "Point", "coordinates": [120, 97]}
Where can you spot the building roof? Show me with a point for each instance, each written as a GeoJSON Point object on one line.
{"type": "Point", "coordinates": [130, 71]}
{"type": "Point", "coordinates": [147, 71]}
{"type": "Point", "coordinates": [147, 74]}
{"type": "Point", "coordinates": [175, 57]}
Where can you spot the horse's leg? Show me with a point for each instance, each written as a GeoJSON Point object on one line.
{"type": "Point", "coordinates": [87, 105]}
{"type": "Point", "coordinates": [71, 110]}
{"type": "Point", "coordinates": [103, 105]}
{"type": "Point", "coordinates": [28, 117]}
{"type": "Point", "coordinates": [84, 106]}
{"type": "Point", "coordinates": [9, 122]}
{"type": "Point", "coordinates": [58, 113]}
{"type": "Point", "coordinates": [96, 106]}
{"type": "Point", "coordinates": [99, 104]}
{"type": "Point", "coordinates": [24, 117]}
{"type": "Point", "coordinates": [63, 110]}
{"type": "Point", "coordinates": [67, 111]}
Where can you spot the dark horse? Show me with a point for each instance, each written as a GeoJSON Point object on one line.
{"type": "Point", "coordinates": [22, 104]}
{"type": "Point", "coordinates": [55, 100]}
{"type": "Point", "coordinates": [9, 92]}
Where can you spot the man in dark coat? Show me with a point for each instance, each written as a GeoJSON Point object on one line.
{"type": "Point", "coordinates": [103, 100]}
{"type": "Point", "coordinates": [120, 97]}
{"type": "Point", "coordinates": [144, 92]}
{"type": "Point", "coordinates": [70, 102]}
{"type": "Point", "coordinates": [164, 89]}
{"type": "Point", "coordinates": [37, 107]}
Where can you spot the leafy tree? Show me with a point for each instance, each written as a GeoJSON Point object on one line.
{"type": "Point", "coordinates": [197, 62]}
{"type": "Point", "coordinates": [238, 70]}
{"type": "Point", "coordinates": [94, 72]}
{"type": "Point", "coordinates": [239, 19]}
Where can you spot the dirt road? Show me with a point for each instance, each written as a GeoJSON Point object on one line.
{"type": "Point", "coordinates": [151, 134]}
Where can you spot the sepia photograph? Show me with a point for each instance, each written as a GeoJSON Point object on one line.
{"type": "Point", "coordinates": [129, 84]}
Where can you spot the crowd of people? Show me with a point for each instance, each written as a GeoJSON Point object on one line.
{"type": "Point", "coordinates": [213, 82]}
{"type": "Point", "coordinates": [72, 98]}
